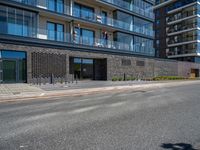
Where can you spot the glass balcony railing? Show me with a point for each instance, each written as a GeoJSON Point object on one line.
{"type": "Point", "coordinates": [89, 16]}
{"type": "Point", "coordinates": [67, 38]}
{"type": "Point", "coordinates": [112, 22]}
{"type": "Point", "coordinates": [147, 12]}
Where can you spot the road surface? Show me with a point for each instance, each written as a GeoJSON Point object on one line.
{"type": "Point", "coordinates": [159, 119]}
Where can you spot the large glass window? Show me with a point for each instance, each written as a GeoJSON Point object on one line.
{"type": "Point", "coordinates": [124, 41]}
{"type": "Point", "coordinates": [17, 21]}
{"type": "Point", "coordinates": [143, 26]}
{"type": "Point", "coordinates": [88, 36]}
{"type": "Point", "coordinates": [12, 55]}
{"type": "Point", "coordinates": [51, 5]}
{"type": "Point", "coordinates": [56, 5]}
{"type": "Point", "coordinates": [29, 2]}
{"type": "Point", "coordinates": [51, 31]}
{"type": "Point", "coordinates": [143, 46]}
{"type": "Point", "coordinates": [84, 36]}
{"type": "Point", "coordinates": [55, 31]}
{"type": "Point", "coordinates": [60, 32]}
{"type": "Point", "coordinates": [84, 12]}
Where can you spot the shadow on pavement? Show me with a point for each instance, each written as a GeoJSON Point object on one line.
{"type": "Point", "coordinates": [178, 146]}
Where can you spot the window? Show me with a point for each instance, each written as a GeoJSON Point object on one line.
{"type": "Point", "coordinates": [123, 41]}
{"type": "Point", "coordinates": [84, 36]}
{"type": "Point", "coordinates": [55, 31]}
{"type": "Point", "coordinates": [143, 46]}
{"type": "Point", "coordinates": [88, 36]}
{"type": "Point", "coordinates": [84, 12]}
{"type": "Point", "coordinates": [17, 22]}
{"type": "Point", "coordinates": [12, 54]}
{"type": "Point", "coordinates": [56, 5]}
{"type": "Point", "coordinates": [104, 17]}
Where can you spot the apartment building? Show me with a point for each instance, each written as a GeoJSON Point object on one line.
{"type": "Point", "coordinates": [41, 39]}
{"type": "Point", "coordinates": [177, 30]}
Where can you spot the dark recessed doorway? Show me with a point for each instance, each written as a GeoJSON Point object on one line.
{"type": "Point", "coordinates": [88, 68]}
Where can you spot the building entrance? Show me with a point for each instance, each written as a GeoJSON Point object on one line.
{"type": "Point", "coordinates": [86, 68]}
{"type": "Point", "coordinates": [194, 73]}
{"type": "Point", "coordinates": [12, 67]}
{"type": "Point", "coordinates": [83, 68]}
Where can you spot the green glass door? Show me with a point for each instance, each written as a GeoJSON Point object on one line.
{"type": "Point", "coordinates": [9, 70]}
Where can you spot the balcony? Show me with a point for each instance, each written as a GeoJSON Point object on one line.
{"type": "Point", "coordinates": [182, 28]}
{"type": "Point", "coordinates": [67, 39]}
{"type": "Point", "coordinates": [148, 12]}
{"type": "Point", "coordinates": [112, 22]}
{"type": "Point", "coordinates": [91, 17]}
{"type": "Point", "coordinates": [181, 16]}
{"type": "Point", "coordinates": [182, 40]}
{"type": "Point", "coordinates": [182, 53]}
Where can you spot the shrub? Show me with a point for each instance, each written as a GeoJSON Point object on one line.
{"type": "Point", "coordinates": [120, 78]}
{"type": "Point", "coordinates": [159, 78]}
{"type": "Point", "coordinates": [114, 78]}
{"type": "Point", "coordinates": [130, 78]}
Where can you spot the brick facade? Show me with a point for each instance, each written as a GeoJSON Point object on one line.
{"type": "Point", "coordinates": [135, 66]}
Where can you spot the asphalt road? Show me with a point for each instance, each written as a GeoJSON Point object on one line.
{"type": "Point", "coordinates": [165, 118]}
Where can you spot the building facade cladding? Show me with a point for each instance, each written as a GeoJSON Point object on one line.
{"type": "Point", "coordinates": [62, 39]}
{"type": "Point", "coordinates": [177, 30]}
{"type": "Point", "coordinates": [139, 67]}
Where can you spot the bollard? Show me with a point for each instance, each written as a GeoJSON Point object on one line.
{"type": "Point", "coordinates": [76, 77]}
{"type": "Point", "coordinates": [72, 78]}
{"type": "Point", "coordinates": [124, 77]}
{"type": "Point", "coordinates": [65, 79]}
{"type": "Point", "coordinates": [52, 79]}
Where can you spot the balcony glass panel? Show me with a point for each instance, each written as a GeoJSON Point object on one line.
{"type": "Point", "coordinates": [87, 13]}
{"type": "Point", "coordinates": [137, 6]}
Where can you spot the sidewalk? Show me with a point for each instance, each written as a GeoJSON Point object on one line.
{"type": "Point", "coordinates": [14, 92]}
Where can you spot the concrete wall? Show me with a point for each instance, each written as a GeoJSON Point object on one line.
{"type": "Point", "coordinates": [138, 67]}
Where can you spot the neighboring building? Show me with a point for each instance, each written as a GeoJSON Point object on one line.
{"type": "Point", "coordinates": [177, 29]}
{"type": "Point", "coordinates": [45, 38]}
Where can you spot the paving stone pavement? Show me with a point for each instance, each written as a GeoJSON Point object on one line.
{"type": "Point", "coordinates": [22, 88]}
{"type": "Point", "coordinates": [13, 89]}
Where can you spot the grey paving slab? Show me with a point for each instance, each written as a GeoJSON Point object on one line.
{"type": "Point", "coordinates": [12, 89]}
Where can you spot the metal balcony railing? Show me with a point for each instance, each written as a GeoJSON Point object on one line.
{"type": "Point", "coordinates": [181, 16]}
{"type": "Point", "coordinates": [182, 27]}
{"type": "Point", "coordinates": [181, 40]}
